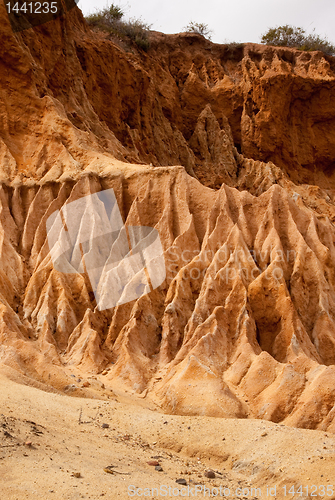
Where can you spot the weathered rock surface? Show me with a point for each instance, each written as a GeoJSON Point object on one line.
{"type": "Point", "coordinates": [244, 324]}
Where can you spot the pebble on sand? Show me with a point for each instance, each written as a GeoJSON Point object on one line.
{"type": "Point", "coordinates": [210, 474]}
{"type": "Point", "coordinates": [181, 481]}
{"type": "Point", "coordinates": [76, 474]}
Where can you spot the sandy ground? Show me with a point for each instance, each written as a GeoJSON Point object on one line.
{"type": "Point", "coordinates": [48, 439]}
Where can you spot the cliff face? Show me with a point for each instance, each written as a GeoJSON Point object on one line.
{"type": "Point", "coordinates": [240, 188]}
{"type": "Point", "coordinates": [184, 102]}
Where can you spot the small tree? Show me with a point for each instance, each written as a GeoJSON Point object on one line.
{"type": "Point", "coordinates": [292, 36]}
{"type": "Point", "coordinates": [200, 29]}
{"type": "Point", "coordinates": [105, 18]}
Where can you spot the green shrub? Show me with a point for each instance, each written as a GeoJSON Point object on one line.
{"type": "Point", "coordinates": [292, 36]}
{"type": "Point", "coordinates": [105, 18]}
{"type": "Point", "coordinates": [136, 30]}
{"type": "Point", "coordinates": [199, 29]}
{"type": "Point", "coordinates": [110, 20]}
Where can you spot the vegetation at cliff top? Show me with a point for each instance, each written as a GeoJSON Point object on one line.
{"type": "Point", "coordinates": [296, 37]}
{"type": "Point", "coordinates": [199, 28]}
{"type": "Point", "coordinates": [110, 20]}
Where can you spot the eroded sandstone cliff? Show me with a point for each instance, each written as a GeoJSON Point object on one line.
{"type": "Point", "coordinates": [228, 152]}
